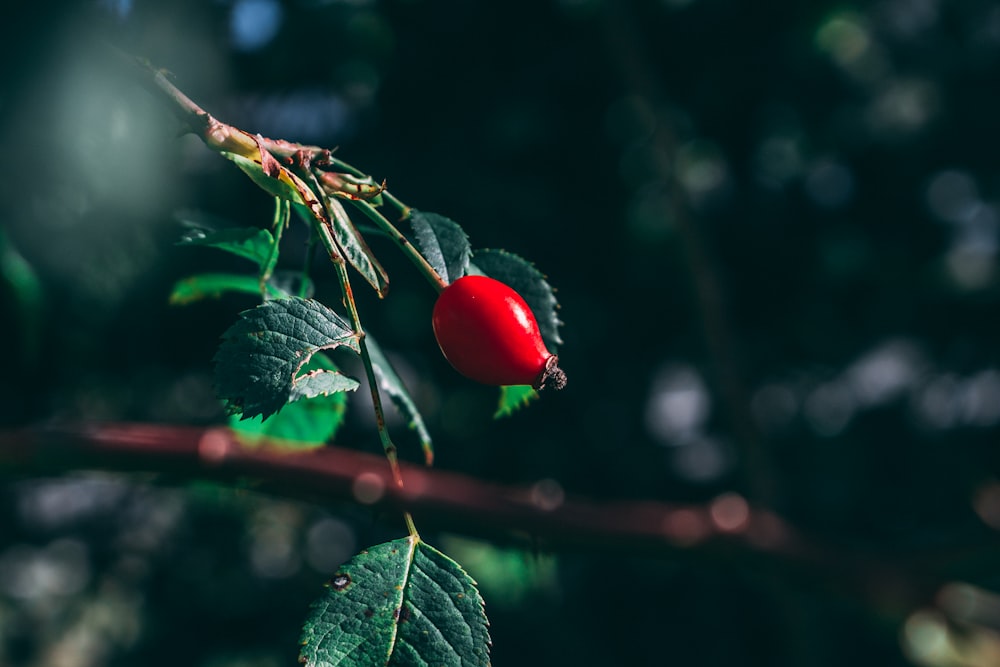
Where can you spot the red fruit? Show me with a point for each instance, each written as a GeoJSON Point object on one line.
{"type": "Point", "coordinates": [489, 334]}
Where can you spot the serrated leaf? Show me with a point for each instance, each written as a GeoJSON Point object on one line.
{"type": "Point", "coordinates": [390, 383]}
{"type": "Point", "coordinates": [214, 285]}
{"type": "Point", "coordinates": [353, 246]}
{"type": "Point", "coordinates": [321, 383]}
{"type": "Point", "coordinates": [529, 282]}
{"type": "Point", "coordinates": [262, 353]}
{"type": "Point", "coordinates": [402, 603]}
{"type": "Point", "coordinates": [247, 242]}
{"type": "Point", "coordinates": [443, 243]}
{"type": "Point", "coordinates": [302, 424]}
{"type": "Point", "coordinates": [513, 398]}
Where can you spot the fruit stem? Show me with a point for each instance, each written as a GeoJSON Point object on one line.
{"type": "Point", "coordinates": [366, 360]}
{"type": "Point", "coordinates": [401, 241]}
{"type": "Point", "coordinates": [552, 377]}
{"type": "Point", "coordinates": [390, 229]}
{"type": "Point", "coordinates": [404, 210]}
{"type": "Point", "coordinates": [281, 213]}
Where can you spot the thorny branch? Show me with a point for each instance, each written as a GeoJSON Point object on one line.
{"type": "Point", "coordinates": [724, 531]}
{"type": "Point", "coordinates": [285, 160]}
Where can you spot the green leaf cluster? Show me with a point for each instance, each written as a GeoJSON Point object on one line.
{"type": "Point", "coordinates": [399, 603]}
{"type": "Point", "coordinates": [258, 362]}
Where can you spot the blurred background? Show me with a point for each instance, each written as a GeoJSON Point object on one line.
{"type": "Point", "coordinates": [773, 228]}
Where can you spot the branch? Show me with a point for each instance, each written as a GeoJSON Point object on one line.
{"type": "Point", "coordinates": [726, 530]}
{"type": "Point", "coordinates": [339, 474]}
{"type": "Point", "coordinates": [279, 159]}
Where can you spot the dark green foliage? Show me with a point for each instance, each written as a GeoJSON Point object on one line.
{"type": "Point", "coordinates": [248, 242]}
{"type": "Point", "coordinates": [443, 243]}
{"type": "Point", "coordinates": [260, 355]}
{"type": "Point", "coordinates": [390, 383]}
{"type": "Point", "coordinates": [304, 422]}
{"type": "Point", "coordinates": [514, 398]}
{"type": "Point", "coordinates": [354, 247]}
{"type": "Point", "coordinates": [401, 603]}
{"type": "Point", "coordinates": [213, 285]}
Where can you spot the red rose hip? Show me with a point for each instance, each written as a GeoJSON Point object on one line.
{"type": "Point", "coordinates": [489, 334]}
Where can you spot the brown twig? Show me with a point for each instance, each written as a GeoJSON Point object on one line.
{"type": "Point", "coordinates": [726, 530]}
{"type": "Point", "coordinates": [339, 474]}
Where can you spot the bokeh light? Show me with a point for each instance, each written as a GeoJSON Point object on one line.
{"type": "Point", "coordinates": [254, 23]}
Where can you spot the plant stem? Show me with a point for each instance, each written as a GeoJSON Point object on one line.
{"type": "Point", "coordinates": [282, 210]}
{"type": "Point", "coordinates": [404, 210]}
{"type": "Point", "coordinates": [383, 432]}
{"type": "Point", "coordinates": [388, 445]}
{"type": "Point", "coordinates": [402, 243]}
{"type": "Point", "coordinates": [219, 135]}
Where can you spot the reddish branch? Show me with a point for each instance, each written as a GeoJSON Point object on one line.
{"type": "Point", "coordinates": [725, 530]}
{"type": "Point", "coordinates": [338, 474]}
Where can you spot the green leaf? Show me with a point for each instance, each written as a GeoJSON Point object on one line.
{"type": "Point", "coordinates": [401, 603]}
{"type": "Point", "coordinates": [353, 245]}
{"type": "Point", "coordinates": [513, 398]}
{"type": "Point", "coordinates": [509, 577]}
{"type": "Point", "coordinates": [349, 242]}
{"type": "Point", "coordinates": [214, 285]}
{"type": "Point", "coordinates": [390, 383]}
{"type": "Point", "coordinates": [304, 424]}
{"type": "Point", "coordinates": [443, 243]}
{"type": "Point", "coordinates": [321, 383]}
{"type": "Point", "coordinates": [529, 282]}
{"type": "Point", "coordinates": [17, 273]}
{"type": "Point", "coordinates": [272, 177]}
{"type": "Point", "coordinates": [248, 242]}
{"type": "Point", "coordinates": [261, 354]}
{"type": "Point", "coordinates": [19, 277]}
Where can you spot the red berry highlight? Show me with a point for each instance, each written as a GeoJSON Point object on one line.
{"type": "Point", "coordinates": [488, 334]}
